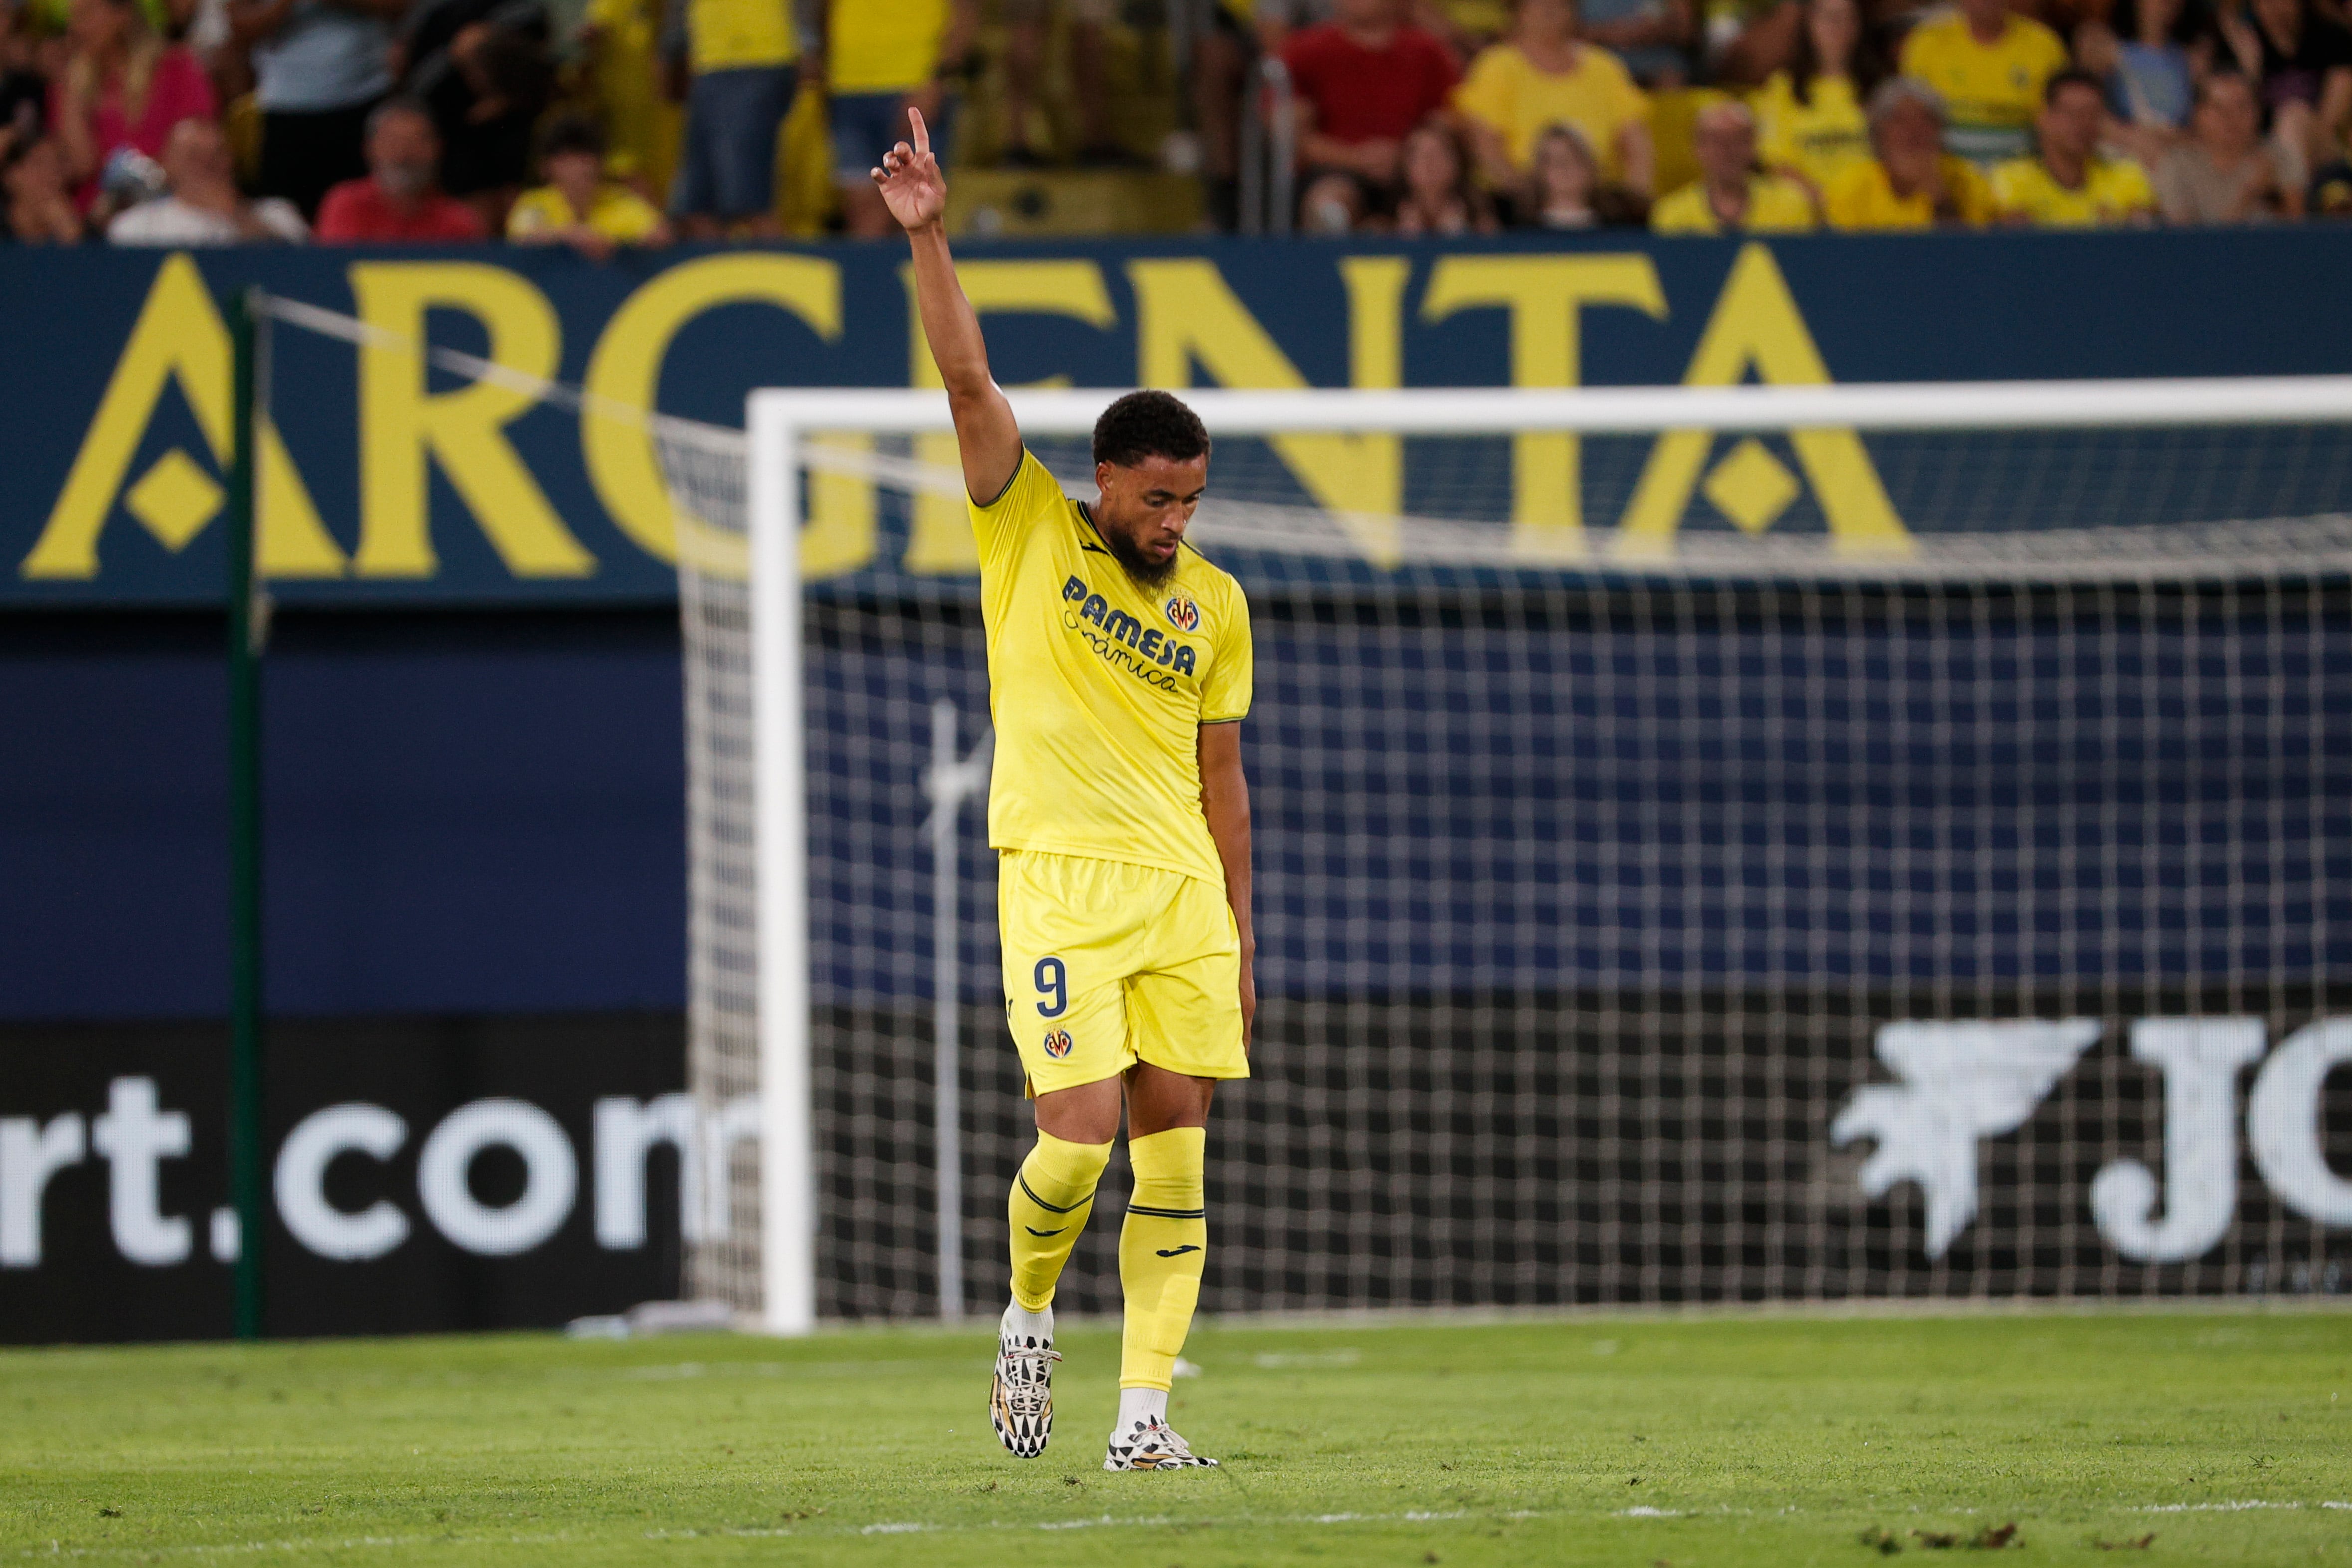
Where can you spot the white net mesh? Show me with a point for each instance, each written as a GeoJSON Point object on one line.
{"type": "Point", "coordinates": [708, 465]}
{"type": "Point", "coordinates": [1595, 885]}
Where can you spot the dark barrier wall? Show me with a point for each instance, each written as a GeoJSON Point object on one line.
{"type": "Point", "coordinates": [396, 486]}
{"type": "Point", "coordinates": [467, 813]}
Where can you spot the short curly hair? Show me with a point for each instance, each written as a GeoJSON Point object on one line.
{"type": "Point", "coordinates": [1148, 424]}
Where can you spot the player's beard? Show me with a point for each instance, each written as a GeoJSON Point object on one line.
{"type": "Point", "coordinates": [1145, 572]}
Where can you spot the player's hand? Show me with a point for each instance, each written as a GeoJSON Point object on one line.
{"type": "Point", "coordinates": [1249, 998]}
{"type": "Point", "coordinates": [912, 186]}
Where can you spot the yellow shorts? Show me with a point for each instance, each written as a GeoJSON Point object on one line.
{"type": "Point", "coordinates": [1108, 964]}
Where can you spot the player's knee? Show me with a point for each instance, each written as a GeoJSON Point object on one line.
{"type": "Point", "coordinates": [1083, 1113]}
{"type": "Point", "coordinates": [1170, 1169]}
{"type": "Point", "coordinates": [1060, 1172]}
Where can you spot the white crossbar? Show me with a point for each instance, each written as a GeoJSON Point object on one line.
{"type": "Point", "coordinates": [1467, 410]}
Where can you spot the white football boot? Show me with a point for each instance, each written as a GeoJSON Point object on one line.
{"type": "Point", "coordinates": [1020, 1401]}
{"type": "Point", "coordinates": [1150, 1444]}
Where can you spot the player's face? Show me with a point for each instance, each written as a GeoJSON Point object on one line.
{"type": "Point", "coordinates": [2071, 123]}
{"type": "Point", "coordinates": [1146, 508]}
{"type": "Point", "coordinates": [1725, 146]}
{"type": "Point", "coordinates": [2228, 116]}
{"type": "Point", "coordinates": [1909, 143]}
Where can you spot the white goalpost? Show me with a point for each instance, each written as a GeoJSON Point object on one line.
{"type": "Point", "coordinates": [1598, 863]}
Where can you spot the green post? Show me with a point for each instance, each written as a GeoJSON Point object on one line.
{"type": "Point", "coordinates": [246, 630]}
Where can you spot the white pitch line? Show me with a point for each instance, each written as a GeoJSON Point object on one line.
{"type": "Point", "coordinates": [2240, 1506]}
{"type": "Point", "coordinates": [1099, 1521]}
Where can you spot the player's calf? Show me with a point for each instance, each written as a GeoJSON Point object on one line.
{"type": "Point", "coordinates": [1048, 1207]}
{"type": "Point", "coordinates": [1161, 1250]}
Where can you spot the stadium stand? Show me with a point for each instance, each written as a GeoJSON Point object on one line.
{"type": "Point", "coordinates": [756, 118]}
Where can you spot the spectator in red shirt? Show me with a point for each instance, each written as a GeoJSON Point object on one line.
{"type": "Point", "coordinates": [398, 198]}
{"type": "Point", "coordinates": [1363, 82]}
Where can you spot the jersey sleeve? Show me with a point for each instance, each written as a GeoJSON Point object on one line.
{"type": "Point", "coordinates": [1970, 194]}
{"type": "Point", "coordinates": [1633, 105]}
{"type": "Point", "coordinates": [1770, 104]}
{"type": "Point", "coordinates": [1226, 689]}
{"type": "Point", "coordinates": [2051, 51]}
{"type": "Point", "coordinates": [1486, 95]}
{"type": "Point", "coordinates": [1031, 497]}
{"type": "Point", "coordinates": [2012, 188]}
{"type": "Point", "coordinates": [2132, 189]}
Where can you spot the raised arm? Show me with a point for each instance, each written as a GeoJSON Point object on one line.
{"type": "Point", "coordinates": [1224, 800]}
{"type": "Point", "coordinates": [916, 194]}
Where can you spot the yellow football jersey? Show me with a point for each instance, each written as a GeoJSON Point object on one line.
{"type": "Point", "coordinates": [1506, 92]}
{"type": "Point", "coordinates": [1993, 90]}
{"type": "Point", "coordinates": [1863, 198]}
{"type": "Point", "coordinates": [620, 215]}
{"type": "Point", "coordinates": [1776, 204]}
{"type": "Point", "coordinates": [1821, 138]}
{"type": "Point", "coordinates": [2114, 192]}
{"type": "Point", "coordinates": [735, 35]}
{"type": "Point", "coordinates": [1099, 686]}
{"type": "Point", "coordinates": [886, 46]}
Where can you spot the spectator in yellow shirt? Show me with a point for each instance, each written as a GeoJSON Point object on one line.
{"type": "Point", "coordinates": [742, 59]}
{"type": "Point", "coordinates": [1988, 65]}
{"type": "Point", "coordinates": [1543, 76]}
{"type": "Point", "coordinates": [579, 206]}
{"type": "Point", "coordinates": [1730, 196]}
{"type": "Point", "coordinates": [1911, 183]}
{"type": "Point", "coordinates": [1809, 120]}
{"type": "Point", "coordinates": [881, 60]}
{"type": "Point", "coordinates": [2069, 185]}
{"type": "Point", "coordinates": [620, 62]}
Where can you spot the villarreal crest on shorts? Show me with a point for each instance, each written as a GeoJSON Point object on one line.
{"type": "Point", "coordinates": [1118, 944]}
{"type": "Point", "coordinates": [1109, 965]}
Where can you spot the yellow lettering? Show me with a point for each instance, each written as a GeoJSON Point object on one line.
{"type": "Point", "coordinates": [178, 338]}
{"type": "Point", "coordinates": [1756, 326]}
{"type": "Point", "coordinates": [940, 537]}
{"type": "Point", "coordinates": [403, 428]}
{"type": "Point", "coordinates": [1545, 296]}
{"type": "Point", "coordinates": [1186, 315]}
{"type": "Point", "coordinates": [625, 369]}
{"type": "Point", "coordinates": [1375, 286]}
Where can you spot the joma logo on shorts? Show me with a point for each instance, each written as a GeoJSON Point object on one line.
{"type": "Point", "coordinates": [1119, 626]}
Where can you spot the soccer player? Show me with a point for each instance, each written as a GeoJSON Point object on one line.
{"type": "Point", "coordinates": [1119, 670]}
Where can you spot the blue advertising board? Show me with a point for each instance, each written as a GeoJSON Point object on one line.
{"type": "Point", "coordinates": [388, 482]}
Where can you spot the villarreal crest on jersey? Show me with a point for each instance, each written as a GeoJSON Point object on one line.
{"type": "Point", "coordinates": [1098, 685]}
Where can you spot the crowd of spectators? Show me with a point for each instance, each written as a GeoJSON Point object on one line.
{"type": "Point", "coordinates": [230, 122]}
{"type": "Point", "coordinates": [1800, 114]}
{"type": "Point", "coordinates": [176, 123]}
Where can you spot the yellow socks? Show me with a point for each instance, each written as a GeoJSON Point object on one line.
{"type": "Point", "coordinates": [1051, 1199]}
{"type": "Point", "coordinates": [1161, 1249]}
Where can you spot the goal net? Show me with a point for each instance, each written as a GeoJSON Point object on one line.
{"type": "Point", "coordinates": [1712, 845]}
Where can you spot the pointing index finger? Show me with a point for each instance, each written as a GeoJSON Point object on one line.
{"type": "Point", "coordinates": [922, 132]}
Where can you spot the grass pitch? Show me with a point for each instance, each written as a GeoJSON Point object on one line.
{"type": "Point", "coordinates": [2182, 1437]}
